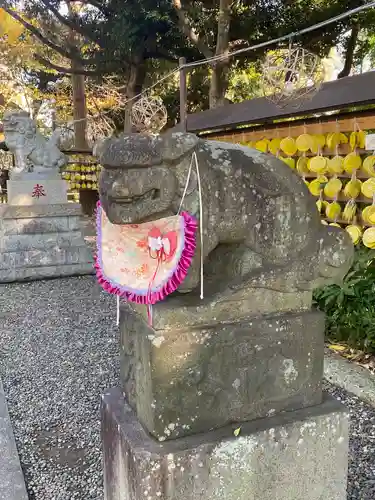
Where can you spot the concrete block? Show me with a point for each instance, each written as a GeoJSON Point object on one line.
{"type": "Point", "coordinates": [299, 455]}
{"type": "Point", "coordinates": [184, 381]}
{"type": "Point", "coordinates": [37, 192]}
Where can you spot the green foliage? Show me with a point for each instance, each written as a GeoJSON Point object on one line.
{"type": "Point", "coordinates": [244, 83]}
{"type": "Point", "coordinates": [350, 308]}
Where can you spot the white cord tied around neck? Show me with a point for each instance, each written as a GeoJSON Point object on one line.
{"type": "Point", "coordinates": [118, 311]}
{"type": "Point", "coordinates": [195, 160]}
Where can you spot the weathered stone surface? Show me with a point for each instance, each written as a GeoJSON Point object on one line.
{"type": "Point", "coordinates": [294, 456]}
{"type": "Point", "coordinates": [22, 192]}
{"type": "Point", "coordinates": [46, 257]}
{"type": "Point", "coordinates": [260, 225]}
{"type": "Point", "coordinates": [12, 484]}
{"type": "Point", "coordinates": [35, 211]}
{"type": "Point", "coordinates": [35, 226]}
{"type": "Point", "coordinates": [249, 353]}
{"type": "Point", "coordinates": [44, 272]}
{"type": "Point", "coordinates": [189, 310]}
{"type": "Point", "coordinates": [192, 379]}
{"type": "Point", "coordinates": [42, 242]}
{"type": "Point", "coordinates": [26, 242]}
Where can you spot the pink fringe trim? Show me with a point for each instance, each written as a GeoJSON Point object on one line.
{"type": "Point", "coordinates": [191, 227]}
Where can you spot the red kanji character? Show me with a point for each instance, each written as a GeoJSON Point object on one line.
{"type": "Point", "coordinates": [38, 191]}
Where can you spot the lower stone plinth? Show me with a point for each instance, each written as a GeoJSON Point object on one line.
{"type": "Point", "coordinates": [42, 241]}
{"type": "Point", "coordinates": [300, 455]}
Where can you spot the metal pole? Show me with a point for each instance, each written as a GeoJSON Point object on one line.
{"type": "Point", "coordinates": [183, 95]}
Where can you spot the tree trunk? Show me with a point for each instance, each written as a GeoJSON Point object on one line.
{"type": "Point", "coordinates": [79, 109]}
{"type": "Point", "coordinates": [218, 85]}
{"type": "Point", "coordinates": [78, 85]}
{"type": "Point", "coordinates": [220, 70]}
{"type": "Point", "coordinates": [350, 50]}
{"type": "Point", "coordinates": [133, 88]}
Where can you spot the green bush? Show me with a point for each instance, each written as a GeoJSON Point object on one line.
{"type": "Point", "coordinates": [350, 308]}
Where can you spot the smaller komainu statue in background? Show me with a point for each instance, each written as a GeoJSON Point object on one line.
{"type": "Point", "coordinates": [34, 153]}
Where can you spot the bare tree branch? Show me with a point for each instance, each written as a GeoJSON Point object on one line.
{"type": "Point", "coordinates": [69, 71]}
{"type": "Point", "coordinates": [189, 31]}
{"type": "Point", "coordinates": [160, 54]}
{"type": "Point", "coordinates": [68, 54]}
{"type": "Point", "coordinates": [71, 24]}
{"type": "Point", "coordinates": [34, 31]}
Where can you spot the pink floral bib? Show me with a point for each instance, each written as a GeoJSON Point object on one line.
{"type": "Point", "coordinates": [144, 263]}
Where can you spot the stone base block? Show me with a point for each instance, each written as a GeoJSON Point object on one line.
{"type": "Point", "coordinates": [37, 192]}
{"type": "Point", "coordinates": [43, 241]}
{"type": "Point", "coordinates": [188, 380]}
{"type": "Point", "coordinates": [299, 455]}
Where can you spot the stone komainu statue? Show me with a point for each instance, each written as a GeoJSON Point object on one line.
{"type": "Point", "coordinates": [261, 227]}
{"type": "Point", "coordinates": [32, 151]}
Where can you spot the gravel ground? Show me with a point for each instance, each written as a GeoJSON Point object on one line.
{"type": "Point", "coordinates": [59, 348]}
{"type": "Point", "coordinates": [361, 482]}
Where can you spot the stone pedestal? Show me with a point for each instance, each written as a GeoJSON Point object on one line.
{"type": "Point", "coordinates": [42, 241]}
{"type": "Point", "coordinates": [187, 378]}
{"type": "Point", "coordinates": [36, 191]}
{"type": "Point", "coordinates": [223, 401]}
{"type": "Point", "coordinates": [299, 455]}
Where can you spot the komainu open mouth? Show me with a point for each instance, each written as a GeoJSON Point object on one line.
{"type": "Point", "coordinates": [153, 194]}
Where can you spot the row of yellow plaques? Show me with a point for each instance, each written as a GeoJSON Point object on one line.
{"type": "Point", "coordinates": [357, 234]}
{"type": "Point", "coordinates": [332, 187]}
{"type": "Point", "coordinates": [308, 142]}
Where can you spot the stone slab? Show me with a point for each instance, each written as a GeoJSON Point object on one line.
{"type": "Point", "coordinates": [40, 225]}
{"type": "Point", "coordinates": [294, 456]}
{"type": "Point", "coordinates": [12, 484]}
{"type": "Point", "coordinates": [349, 376]}
{"type": "Point", "coordinates": [36, 211]}
{"type": "Point", "coordinates": [184, 381]}
{"type": "Point", "coordinates": [41, 241]}
{"type": "Point", "coordinates": [44, 257]}
{"type": "Point", "coordinates": [45, 272]}
{"type": "Point", "coordinates": [190, 311]}
{"type": "Point", "coordinates": [37, 192]}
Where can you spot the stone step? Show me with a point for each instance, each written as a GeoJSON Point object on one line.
{"type": "Point", "coordinates": [45, 258]}
{"type": "Point", "coordinates": [19, 242]}
{"type": "Point", "coordinates": [56, 224]}
{"type": "Point", "coordinates": [44, 272]}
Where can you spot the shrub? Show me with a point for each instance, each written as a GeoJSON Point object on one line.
{"type": "Point", "coordinates": [350, 308]}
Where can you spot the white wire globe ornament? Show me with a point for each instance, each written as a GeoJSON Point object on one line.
{"type": "Point", "coordinates": [291, 76]}
{"type": "Point", "coordinates": [149, 115]}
